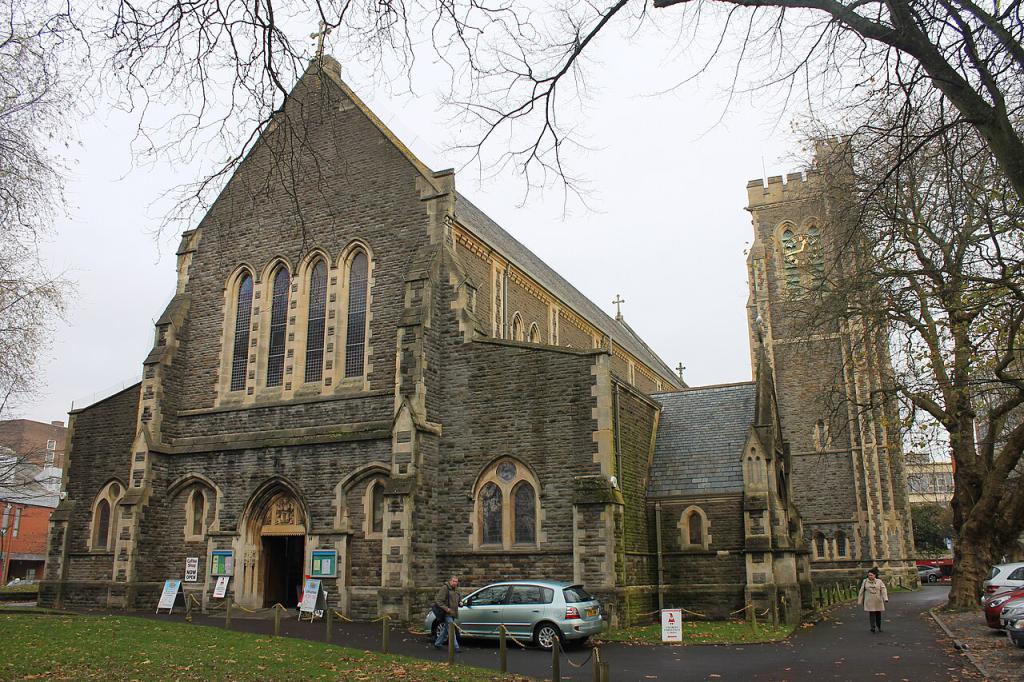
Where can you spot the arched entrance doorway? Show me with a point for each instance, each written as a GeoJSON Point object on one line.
{"type": "Point", "coordinates": [272, 547]}
{"type": "Point", "coordinates": [283, 550]}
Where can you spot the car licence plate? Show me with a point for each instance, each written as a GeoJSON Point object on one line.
{"type": "Point", "coordinates": [591, 612]}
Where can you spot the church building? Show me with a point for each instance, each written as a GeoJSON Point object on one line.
{"type": "Point", "coordinates": [363, 378]}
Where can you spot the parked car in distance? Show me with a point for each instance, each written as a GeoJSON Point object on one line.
{"type": "Point", "coordinates": [1015, 631]}
{"type": "Point", "coordinates": [929, 574]}
{"type": "Point", "coordinates": [537, 610]}
{"type": "Point", "coordinates": [1004, 576]}
{"type": "Point", "coordinates": [993, 605]}
{"type": "Point", "coordinates": [1012, 611]}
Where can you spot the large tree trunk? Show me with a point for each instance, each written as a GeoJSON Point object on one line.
{"type": "Point", "coordinates": [973, 558]}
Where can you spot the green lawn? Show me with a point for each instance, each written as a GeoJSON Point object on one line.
{"type": "Point", "coordinates": [702, 632]}
{"type": "Point", "coordinates": [124, 648]}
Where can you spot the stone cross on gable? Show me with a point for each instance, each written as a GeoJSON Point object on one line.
{"type": "Point", "coordinates": [324, 31]}
{"type": "Point", "coordinates": [618, 306]}
{"type": "Point", "coordinates": [680, 369]}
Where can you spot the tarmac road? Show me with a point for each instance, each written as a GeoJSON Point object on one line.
{"type": "Point", "coordinates": [912, 647]}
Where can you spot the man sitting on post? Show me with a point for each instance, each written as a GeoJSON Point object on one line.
{"type": "Point", "coordinates": [446, 610]}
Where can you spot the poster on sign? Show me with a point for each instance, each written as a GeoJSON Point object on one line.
{"type": "Point", "coordinates": [220, 590]}
{"type": "Point", "coordinates": [191, 569]}
{"type": "Point", "coordinates": [167, 597]}
{"type": "Point", "coordinates": [671, 625]}
{"type": "Point", "coordinates": [310, 596]}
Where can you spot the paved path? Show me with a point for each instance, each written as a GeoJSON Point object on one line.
{"type": "Point", "coordinates": [839, 648]}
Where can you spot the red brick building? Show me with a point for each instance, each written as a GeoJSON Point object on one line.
{"type": "Point", "coordinates": [31, 461]}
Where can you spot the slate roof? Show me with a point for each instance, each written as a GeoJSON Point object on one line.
{"type": "Point", "coordinates": [700, 437]}
{"type": "Point", "coordinates": [496, 237]}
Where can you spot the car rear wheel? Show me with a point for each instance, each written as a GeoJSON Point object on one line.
{"type": "Point", "coordinates": [545, 635]}
{"type": "Point", "coordinates": [932, 578]}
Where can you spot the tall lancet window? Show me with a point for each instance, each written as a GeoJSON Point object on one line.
{"type": "Point", "coordinates": [278, 324]}
{"type": "Point", "coordinates": [243, 315]}
{"type": "Point", "coordinates": [355, 338]}
{"type": "Point", "coordinates": [315, 327]}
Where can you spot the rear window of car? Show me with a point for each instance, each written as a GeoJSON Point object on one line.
{"type": "Point", "coordinates": [993, 573]}
{"type": "Point", "coordinates": [576, 593]}
{"type": "Point", "coordinates": [1017, 575]}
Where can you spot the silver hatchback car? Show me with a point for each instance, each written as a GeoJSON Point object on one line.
{"type": "Point", "coordinates": [537, 610]}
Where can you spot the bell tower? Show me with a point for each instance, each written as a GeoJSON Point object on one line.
{"type": "Point", "coordinates": [844, 439]}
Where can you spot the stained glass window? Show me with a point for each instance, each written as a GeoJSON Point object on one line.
{"type": "Point", "coordinates": [315, 326]}
{"type": "Point", "coordinates": [819, 544]}
{"type": "Point", "coordinates": [243, 315]}
{"type": "Point", "coordinates": [526, 514]}
{"type": "Point", "coordinates": [355, 340]}
{"type": "Point", "coordinates": [490, 511]}
{"type": "Point", "coordinates": [278, 325]}
{"type": "Point", "coordinates": [791, 268]}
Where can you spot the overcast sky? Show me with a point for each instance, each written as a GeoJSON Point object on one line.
{"type": "Point", "coordinates": [665, 228]}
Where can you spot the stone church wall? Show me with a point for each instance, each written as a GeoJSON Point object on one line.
{"type": "Point", "coordinates": [709, 580]}
{"type": "Point", "coordinates": [533, 404]}
{"type": "Point", "coordinates": [636, 422]}
{"type": "Point", "coordinates": [531, 309]}
{"type": "Point", "coordinates": [354, 184]}
{"type": "Point", "coordinates": [99, 450]}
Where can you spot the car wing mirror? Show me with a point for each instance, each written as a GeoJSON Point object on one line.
{"type": "Point", "coordinates": [468, 601]}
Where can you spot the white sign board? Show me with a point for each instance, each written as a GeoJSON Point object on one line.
{"type": "Point", "coordinates": [171, 588]}
{"type": "Point", "coordinates": [671, 625]}
{"type": "Point", "coordinates": [310, 594]}
{"type": "Point", "coordinates": [191, 569]}
{"type": "Point", "coordinates": [221, 589]}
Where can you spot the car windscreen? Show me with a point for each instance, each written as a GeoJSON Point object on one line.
{"type": "Point", "coordinates": [576, 593]}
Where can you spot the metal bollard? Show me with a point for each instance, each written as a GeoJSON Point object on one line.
{"type": "Point", "coordinates": [597, 664]}
{"type": "Point", "coordinates": [502, 648]}
{"type": "Point", "coordinates": [277, 620]}
{"type": "Point", "coordinates": [227, 615]}
{"type": "Point", "coordinates": [329, 618]}
{"type": "Point", "coordinates": [556, 660]}
{"type": "Point", "coordinates": [386, 634]}
{"type": "Point", "coordinates": [451, 643]}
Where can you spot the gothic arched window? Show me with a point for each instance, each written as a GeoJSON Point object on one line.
{"type": "Point", "coordinates": [355, 328]}
{"type": "Point", "coordinates": [198, 512]}
{"type": "Point", "coordinates": [278, 326]}
{"type": "Point", "coordinates": [840, 539]}
{"type": "Point", "coordinates": [525, 501]}
{"type": "Point", "coordinates": [534, 333]}
{"type": "Point", "coordinates": [377, 507]}
{"type": "Point", "coordinates": [694, 527]}
{"type": "Point", "coordinates": [819, 545]}
{"type": "Point", "coordinates": [490, 515]}
{"type": "Point", "coordinates": [507, 504]}
{"type": "Point", "coordinates": [315, 322]}
{"type": "Point", "coordinates": [517, 328]}
{"type": "Point", "coordinates": [102, 532]}
{"type": "Point", "coordinates": [104, 516]}
{"type": "Point", "coordinates": [803, 261]}
{"type": "Point", "coordinates": [243, 315]}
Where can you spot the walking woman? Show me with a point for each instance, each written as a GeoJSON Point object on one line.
{"type": "Point", "coordinates": [873, 596]}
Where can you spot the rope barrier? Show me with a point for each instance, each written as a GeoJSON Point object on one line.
{"type": "Point", "coordinates": [509, 635]}
{"type": "Point", "coordinates": [339, 614]}
{"type": "Point", "coordinates": [585, 661]}
{"type": "Point", "coordinates": [679, 608]}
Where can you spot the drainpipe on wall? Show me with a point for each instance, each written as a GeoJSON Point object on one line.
{"type": "Point", "coordinates": [618, 440]}
{"type": "Point", "coordinates": [661, 563]}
